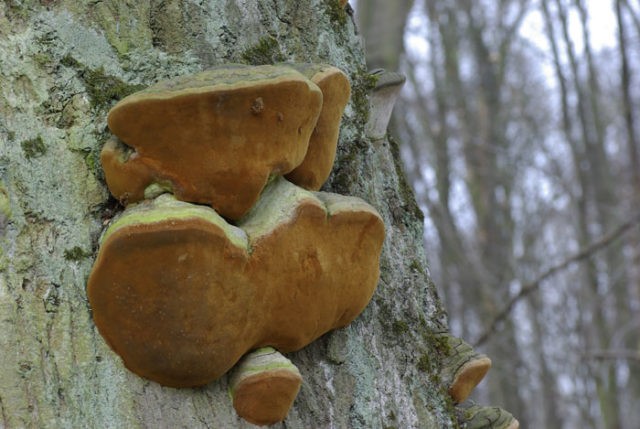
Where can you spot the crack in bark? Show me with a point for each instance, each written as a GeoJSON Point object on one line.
{"type": "Point", "coordinates": [5, 419]}
{"type": "Point", "coordinates": [277, 12]}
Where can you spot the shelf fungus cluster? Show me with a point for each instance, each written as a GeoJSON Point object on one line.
{"type": "Point", "coordinates": [225, 249]}
{"type": "Point", "coordinates": [462, 369]}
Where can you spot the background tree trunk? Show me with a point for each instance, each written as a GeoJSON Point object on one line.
{"type": "Point", "coordinates": [519, 137]}
{"type": "Point", "coordinates": [62, 66]}
{"type": "Point", "coordinates": [382, 24]}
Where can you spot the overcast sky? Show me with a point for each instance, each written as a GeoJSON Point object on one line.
{"type": "Point", "coordinates": [602, 27]}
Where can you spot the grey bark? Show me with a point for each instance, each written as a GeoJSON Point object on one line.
{"type": "Point", "coordinates": [62, 65]}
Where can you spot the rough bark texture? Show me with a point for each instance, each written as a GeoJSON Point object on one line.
{"type": "Point", "coordinates": [62, 65]}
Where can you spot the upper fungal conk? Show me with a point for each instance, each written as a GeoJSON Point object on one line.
{"type": "Point", "coordinates": [216, 137]}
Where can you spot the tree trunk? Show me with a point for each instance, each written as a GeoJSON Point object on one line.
{"type": "Point", "coordinates": [382, 24]}
{"type": "Point", "coordinates": [62, 66]}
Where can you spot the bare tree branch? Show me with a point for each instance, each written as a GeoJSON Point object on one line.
{"type": "Point", "coordinates": [623, 354]}
{"type": "Point", "coordinates": [534, 285]}
{"type": "Point", "coordinates": [633, 15]}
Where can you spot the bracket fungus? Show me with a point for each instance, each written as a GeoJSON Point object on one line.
{"type": "Point", "coordinates": [462, 368]}
{"type": "Point", "coordinates": [317, 164]}
{"type": "Point", "coordinates": [181, 295]}
{"type": "Point", "coordinates": [179, 292]}
{"type": "Point", "coordinates": [479, 417]}
{"type": "Point", "coordinates": [263, 386]}
{"type": "Point", "coordinates": [215, 137]}
{"type": "Point", "coordinates": [381, 101]}
{"type": "Point", "coordinates": [218, 255]}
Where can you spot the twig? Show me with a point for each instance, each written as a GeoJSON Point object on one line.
{"type": "Point", "coordinates": [613, 354]}
{"type": "Point", "coordinates": [531, 287]}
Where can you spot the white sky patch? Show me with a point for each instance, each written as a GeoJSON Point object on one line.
{"type": "Point", "coordinates": [418, 46]}
{"type": "Point", "coordinates": [601, 21]}
{"type": "Point", "coordinates": [532, 28]}
{"type": "Point", "coordinates": [602, 24]}
{"type": "Point", "coordinates": [415, 35]}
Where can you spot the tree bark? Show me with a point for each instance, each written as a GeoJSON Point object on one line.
{"type": "Point", "coordinates": [63, 64]}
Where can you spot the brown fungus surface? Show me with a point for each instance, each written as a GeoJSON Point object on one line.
{"type": "Point", "coordinates": [462, 367]}
{"type": "Point", "coordinates": [127, 174]}
{"type": "Point", "coordinates": [215, 137]}
{"type": "Point", "coordinates": [468, 377]}
{"type": "Point", "coordinates": [336, 90]}
{"type": "Point", "coordinates": [263, 386]}
{"type": "Point", "coordinates": [181, 295]}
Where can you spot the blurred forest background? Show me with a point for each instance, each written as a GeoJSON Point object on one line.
{"type": "Point", "coordinates": [520, 134]}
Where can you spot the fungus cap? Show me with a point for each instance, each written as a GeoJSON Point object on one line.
{"type": "Point", "coordinates": [382, 99]}
{"type": "Point", "coordinates": [181, 295]}
{"type": "Point", "coordinates": [468, 376]}
{"type": "Point", "coordinates": [481, 417]}
{"type": "Point", "coordinates": [263, 386]}
{"type": "Point", "coordinates": [462, 368]}
{"type": "Point", "coordinates": [318, 162]}
{"type": "Point", "coordinates": [215, 137]}
{"type": "Point", "coordinates": [127, 175]}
